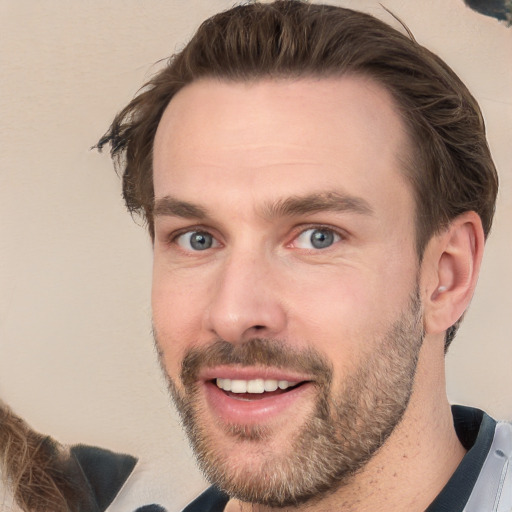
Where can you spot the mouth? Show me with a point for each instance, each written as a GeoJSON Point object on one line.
{"type": "Point", "coordinates": [255, 389]}
{"type": "Point", "coordinates": [245, 397]}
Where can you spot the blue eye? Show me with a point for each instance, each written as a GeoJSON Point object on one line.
{"type": "Point", "coordinates": [317, 238]}
{"type": "Point", "coordinates": [196, 241]}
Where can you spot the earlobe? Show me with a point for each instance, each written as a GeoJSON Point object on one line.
{"type": "Point", "coordinates": [455, 256]}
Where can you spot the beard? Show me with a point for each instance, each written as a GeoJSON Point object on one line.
{"type": "Point", "coordinates": [345, 429]}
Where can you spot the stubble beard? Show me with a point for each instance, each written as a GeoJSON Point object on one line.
{"type": "Point", "coordinates": [344, 431]}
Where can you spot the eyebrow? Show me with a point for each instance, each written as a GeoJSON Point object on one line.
{"type": "Point", "coordinates": [318, 202]}
{"type": "Point", "coordinates": [172, 207]}
{"type": "Point", "coordinates": [291, 206]}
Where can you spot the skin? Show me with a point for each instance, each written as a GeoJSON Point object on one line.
{"type": "Point", "coordinates": [230, 155]}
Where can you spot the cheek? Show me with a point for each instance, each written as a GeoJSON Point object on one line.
{"type": "Point", "coordinates": [345, 312]}
{"type": "Point", "coordinates": [177, 317]}
{"type": "Point", "coordinates": [324, 306]}
{"type": "Point", "coordinates": [328, 298]}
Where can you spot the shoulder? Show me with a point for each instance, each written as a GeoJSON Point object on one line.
{"type": "Point", "coordinates": [494, 483]}
{"type": "Point", "coordinates": [105, 471]}
{"type": "Point", "coordinates": [142, 490]}
{"type": "Point", "coordinates": [211, 500]}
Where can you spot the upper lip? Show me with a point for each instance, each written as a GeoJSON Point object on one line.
{"type": "Point", "coordinates": [250, 373]}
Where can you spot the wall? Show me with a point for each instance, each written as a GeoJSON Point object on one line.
{"type": "Point", "coordinates": [76, 356]}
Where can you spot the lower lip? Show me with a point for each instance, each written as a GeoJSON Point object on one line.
{"type": "Point", "coordinates": [252, 412]}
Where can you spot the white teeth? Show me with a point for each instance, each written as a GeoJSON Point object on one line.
{"type": "Point", "coordinates": [224, 384]}
{"type": "Point", "coordinates": [256, 386]}
{"type": "Point", "coordinates": [253, 385]}
{"type": "Point", "coordinates": [239, 386]}
{"type": "Point", "coordinates": [270, 385]}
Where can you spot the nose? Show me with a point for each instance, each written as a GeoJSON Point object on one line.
{"type": "Point", "coordinates": [245, 301]}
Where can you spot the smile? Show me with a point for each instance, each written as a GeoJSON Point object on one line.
{"type": "Point", "coordinates": [256, 386]}
{"type": "Point", "coordinates": [249, 397]}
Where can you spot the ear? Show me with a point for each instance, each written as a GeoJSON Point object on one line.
{"type": "Point", "coordinates": [450, 270]}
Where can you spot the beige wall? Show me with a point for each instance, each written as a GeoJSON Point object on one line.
{"type": "Point", "coordinates": [76, 355]}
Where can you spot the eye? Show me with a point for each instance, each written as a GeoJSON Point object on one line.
{"type": "Point", "coordinates": [317, 238]}
{"type": "Point", "coordinates": [196, 241]}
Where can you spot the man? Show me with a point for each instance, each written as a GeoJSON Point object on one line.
{"type": "Point", "coordinates": [318, 189]}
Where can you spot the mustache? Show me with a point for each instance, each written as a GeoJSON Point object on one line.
{"type": "Point", "coordinates": [255, 352]}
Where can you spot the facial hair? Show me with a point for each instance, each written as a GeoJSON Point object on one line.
{"type": "Point", "coordinates": [346, 428]}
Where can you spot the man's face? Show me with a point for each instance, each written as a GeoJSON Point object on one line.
{"type": "Point", "coordinates": [285, 299]}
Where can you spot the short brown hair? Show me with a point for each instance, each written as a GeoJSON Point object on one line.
{"type": "Point", "coordinates": [451, 169]}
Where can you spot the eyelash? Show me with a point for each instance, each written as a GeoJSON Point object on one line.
{"type": "Point", "coordinates": [172, 239]}
{"type": "Point", "coordinates": [341, 235]}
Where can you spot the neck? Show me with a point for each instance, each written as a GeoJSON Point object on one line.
{"type": "Point", "coordinates": [414, 464]}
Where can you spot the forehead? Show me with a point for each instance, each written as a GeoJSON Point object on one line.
{"type": "Point", "coordinates": [292, 134]}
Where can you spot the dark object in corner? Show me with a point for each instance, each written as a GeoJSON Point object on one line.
{"type": "Point", "coordinates": [41, 475]}
{"type": "Point", "coordinates": [499, 9]}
